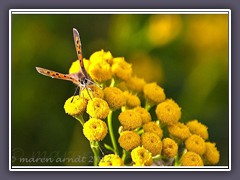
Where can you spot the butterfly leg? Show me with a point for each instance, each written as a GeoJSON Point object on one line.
{"type": "Point", "coordinates": [75, 92]}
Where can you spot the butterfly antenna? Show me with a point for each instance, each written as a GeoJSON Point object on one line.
{"type": "Point", "coordinates": [75, 92]}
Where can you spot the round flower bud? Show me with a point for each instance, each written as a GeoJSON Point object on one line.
{"type": "Point", "coordinates": [154, 93]}
{"type": "Point", "coordinates": [141, 156]}
{"type": "Point", "coordinates": [211, 155]}
{"type": "Point", "coordinates": [75, 105]}
{"type": "Point", "coordinates": [114, 97]}
{"type": "Point", "coordinates": [130, 120]}
{"type": "Point", "coordinates": [129, 140]}
{"type": "Point", "coordinates": [135, 83]}
{"type": "Point", "coordinates": [168, 112]}
{"type": "Point", "coordinates": [191, 159]}
{"type": "Point", "coordinates": [154, 128]}
{"type": "Point", "coordinates": [170, 148]}
{"type": "Point", "coordinates": [121, 68]}
{"type": "Point", "coordinates": [102, 56]}
{"type": "Point", "coordinates": [144, 114]}
{"type": "Point", "coordinates": [94, 92]}
{"type": "Point", "coordinates": [98, 108]}
{"type": "Point", "coordinates": [179, 131]}
{"type": "Point", "coordinates": [195, 144]}
{"type": "Point", "coordinates": [198, 128]}
{"type": "Point", "coordinates": [95, 129]}
{"type": "Point", "coordinates": [152, 143]}
{"type": "Point", "coordinates": [100, 71]}
{"type": "Point", "coordinates": [132, 100]}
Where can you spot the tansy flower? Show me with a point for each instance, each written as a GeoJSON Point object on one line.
{"type": "Point", "coordinates": [152, 143]}
{"type": "Point", "coordinates": [168, 112]}
{"type": "Point", "coordinates": [170, 148]}
{"type": "Point", "coordinates": [94, 91]}
{"type": "Point", "coordinates": [179, 131]}
{"type": "Point", "coordinates": [135, 83]}
{"type": "Point", "coordinates": [154, 93]}
{"type": "Point", "coordinates": [195, 144]}
{"type": "Point", "coordinates": [141, 156]}
{"type": "Point", "coordinates": [130, 120]}
{"type": "Point", "coordinates": [154, 128]}
{"type": "Point", "coordinates": [114, 97]}
{"type": "Point", "coordinates": [144, 114]}
{"type": "Point", "coordinates": [95, 129]}
{"type": "Point", "coordinates": [101, 56]}
{"type": "Point", "coordinates": [211, 155]}
{"type": "Point", "coordinates": [122, 86]}
{"type": "Point", "coordinates": [100, 71]}
{"type": "Point", "coordinates": [75, 105]}
{"type": "Point", "coordinates": [121, 68]}
{"type": "Point", "coordinates": [191, 159]}
{"type": "Point", "coordinates": [129, 140]}
{"type": "Point", "coordinates": [132, 100]}
{"type": "Point", "coordinates": [111, 160]}
{"type": "Point", "coordinates": [98, 108]}
{"type": "Point", "coordinates": [198, 128]}
{"type": "Point", "coordinates": [75, 67]}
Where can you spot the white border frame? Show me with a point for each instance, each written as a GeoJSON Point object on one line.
{"type": "Point", "coordinates": [119, 11]}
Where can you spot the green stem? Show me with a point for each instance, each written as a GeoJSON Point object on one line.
{"type": "Point", "coordinates": [80, 119]}
{"type": "Point", "coordinates": [110, 127]}
{"type": "Point", "coordinates": [112, 82]}
{"type": "Point", "coordinates": [124, 155]}
{"type": "Point", "coordinates": [148, 106]}
{"type": "Point", "coordinates": [95, 149]}
{"type": "Point", "coordinates": [176, 161]}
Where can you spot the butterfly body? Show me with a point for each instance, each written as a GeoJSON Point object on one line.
{"type": "Point", "coordinates": [81, 79]}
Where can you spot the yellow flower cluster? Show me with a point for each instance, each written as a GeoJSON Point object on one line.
{"type": "Point", "coordinates": [142, 139]}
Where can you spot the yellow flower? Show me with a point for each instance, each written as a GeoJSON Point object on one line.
{"type": "Point", "coordinates": [154, 128]}
{"type": "Point", "coordinates": [152, 143]}
{"type": "Point", "coordinates": [129, 140]}
{"type": "Point", "coordinates": [132, 100]}
{"type": "Point", "coordinates": [75, 105]}
{"type": "Point", "coordinates": [144, 114]}
{"type": "Point", "coordinates": [101, 56]}
{"type": "Point", "coordinates": [94, 92]}
{"type": "Point", "coordinates": [154, 93]}
{"type": "Point", "coordinates": [179, 131]}
{"type": "Point", "coordinates": [75, 67]}
{"type": "Point", "coordinates": [122, 86]}
{"type": "Point", "coordinates": [98, 108]}
{"type": "Point", "coordinates": [211, 155]}
{"type": "Point", "coordinates": [121, 68]}
{"type": "Point", "coordinates": [111, 160]}
{"type": "Point", "coordinates": [114, 97]}
{"type": "Point", "coordinates": [100, 71]}
{"type": "Point", "coordinates": [135, 83]}
{"type": "Point", "coordinates": [130, 120]}
{"type": "Point", "coordinates": [95, 129]}
{"type": "Point", "coordinates": [170, 148]}
{"type": "Point", "coordinates": [191, 159]}
{"type": "Point", "coordinates": [198, 128]}
{"type": "Point", "coordinates": [195, 144]}
{"type": "Point", "coordinates": [141, 156]}
{"type": "Point", "coordinates": [168, 112]}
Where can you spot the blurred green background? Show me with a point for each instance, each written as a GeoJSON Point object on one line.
{"type": "Point", "coordinates": [186, 54]}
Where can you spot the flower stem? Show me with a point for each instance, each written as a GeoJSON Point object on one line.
{"type": "Point", "coordinates": [112, 82]}
{"type": "Point", "coordinates": [124, 155]}
{"type": "Point", "coordinates": [95, 149]}
{"type": "Point", "coordinates": [148, 106]}
{"type": "Point", "coordinates": [110, 127]}
{"type": "Point", "coordinates": [80, 119]}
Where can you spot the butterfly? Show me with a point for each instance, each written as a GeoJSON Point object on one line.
{"type": "Point", "coordinates": [81, 79]}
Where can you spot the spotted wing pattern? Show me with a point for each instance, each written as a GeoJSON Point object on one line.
{"type": "Point", "coordinates": [78, 47]}
{"type": "Point", "coordinates": [68, 77]}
